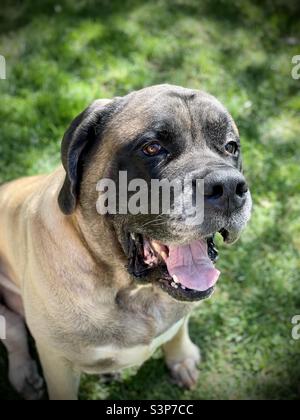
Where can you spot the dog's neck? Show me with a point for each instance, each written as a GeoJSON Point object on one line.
{"type": "Point", "coordinates": [99, 239]}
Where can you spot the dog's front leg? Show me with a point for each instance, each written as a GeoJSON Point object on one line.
{"type": "Point", "coordinates": [62, 380]}
{"type": "Point", "coordinates": [182, 358]}
{"type": "Point", "coordinates": [23, 371]}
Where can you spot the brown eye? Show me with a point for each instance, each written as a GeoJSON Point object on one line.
{"type": "Point", "coordinates": [152, 149]}
{"type": "Point", "coordinates": [231, 148]}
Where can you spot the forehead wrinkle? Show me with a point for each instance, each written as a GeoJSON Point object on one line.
{"type": "Point", "coordinates": [214, 121]}
{"type": "Point", "coordinates": [194, 130]}
{"type": "Point", "coordinates": [186, 114]}
{"type": "Point", "coordinates": [175, 116]}
{"type": "Point", "coordinates": [204, 114]}
{"type": "Point", "coordinates": [169, 116]}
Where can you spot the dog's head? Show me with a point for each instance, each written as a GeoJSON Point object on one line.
{"type": "Point", "coordinates": [161, 133]}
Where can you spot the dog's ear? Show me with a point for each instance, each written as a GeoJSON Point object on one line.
{"type": "Point", "coordinates": [83, 132]}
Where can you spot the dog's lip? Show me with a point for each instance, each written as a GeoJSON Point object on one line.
{"type": "Point", "coordinates": [225, 234]}
{"type": "Point", "coordinates": [184, 295]}
{"type": "Point", "coordinates": [229, 236]}
{"type": "Point", "coordinates": [169, 284]}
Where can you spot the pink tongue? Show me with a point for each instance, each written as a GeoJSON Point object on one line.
{"type": "Point", "coordinates": [192, 266]}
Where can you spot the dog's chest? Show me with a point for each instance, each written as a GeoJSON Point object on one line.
{"type": "Point", "coordinates": [106, 359]}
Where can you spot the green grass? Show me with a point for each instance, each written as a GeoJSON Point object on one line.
{"type": "Point", "coordinates": [59, 58]}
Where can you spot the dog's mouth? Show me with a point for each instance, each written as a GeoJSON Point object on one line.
{"type": "Point", "coordinates": [186, 272]}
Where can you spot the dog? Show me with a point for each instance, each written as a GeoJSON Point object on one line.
{"type": "Point", "coordinates": [100, 293]}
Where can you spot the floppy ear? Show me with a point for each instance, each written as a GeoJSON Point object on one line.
{"type": "Point", "coordinates": [83, 132]}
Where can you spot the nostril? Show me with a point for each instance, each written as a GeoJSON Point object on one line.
{"type": "Point", "coordinates": [217, 192]}
{"type": "Point", "coordinates": [241, 189]}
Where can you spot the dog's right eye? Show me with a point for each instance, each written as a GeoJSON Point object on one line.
{"type": "Point", "coordinates": [152, 149]}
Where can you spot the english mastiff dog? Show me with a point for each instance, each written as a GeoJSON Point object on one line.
{"type": "Point", "coordinates": [101, 292]}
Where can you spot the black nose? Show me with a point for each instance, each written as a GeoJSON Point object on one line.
{"type": "Point", "coordinates": [225, 190]}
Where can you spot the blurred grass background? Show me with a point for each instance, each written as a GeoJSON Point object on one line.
{"type": "Point", "coordinates": [62, 54]}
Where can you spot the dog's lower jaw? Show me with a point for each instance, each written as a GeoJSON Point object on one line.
{"type": "Point", "coordinates": [148, 262]}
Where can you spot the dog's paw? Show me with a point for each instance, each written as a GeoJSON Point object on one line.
{"type": "Point", "coordinates": [185, 374]}
{"type": "Point", "coordinates": [27, 381]}
{"type": "Point", "coordinates": [184, 371]}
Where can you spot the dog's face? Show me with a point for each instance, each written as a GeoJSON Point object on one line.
{"type": "Point", "coordinates": [162, 133]}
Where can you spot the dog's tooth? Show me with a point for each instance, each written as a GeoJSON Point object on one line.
{"type": "Point", "coordinates": [174, 285]}
{"type": "Point", "coordinates": [183, 287]}
{"type": "Point", "coordinates": [175, 278]}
